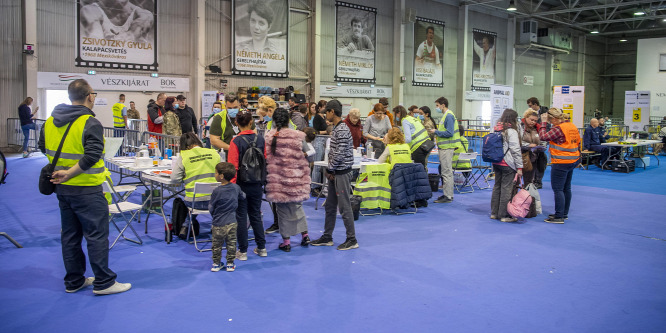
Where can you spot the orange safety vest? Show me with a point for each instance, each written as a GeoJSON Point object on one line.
{"type": "Point", "coordinates": [567, 152]}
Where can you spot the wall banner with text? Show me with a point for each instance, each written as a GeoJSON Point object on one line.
{"type": "Point", "coordinates": [116, 34]}
{"type": "Point", "coordinates": [428, 48]}
{"type": "Point", "coordinates": [501, 98]}
{"type": "Point", "coordinates": [571, 99]}
{"type": "Point", "coordinates": [261, 37]}
{"type": "Point", "coordinates": [484, 44]}
{"type": "Point", "coordinates": [355, 38]}
{"type": "Point", "coordinates": [636, 109]}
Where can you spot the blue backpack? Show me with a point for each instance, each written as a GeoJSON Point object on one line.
{"type": "Point", "coordinates": [493, 150]}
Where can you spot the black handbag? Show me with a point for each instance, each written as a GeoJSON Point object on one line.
{"type": "Point", "coordinates": [45, 185]}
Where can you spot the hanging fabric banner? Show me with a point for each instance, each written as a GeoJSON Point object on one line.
{"type": "Point", "coordinates": [428, 45]}
{"type": "Point", "coordinates": [484, 44]}
{"type": "Point", "coordinates": [261, 36]}
{"type": "Point", "coordinates": [355, 37]}
{"type": "Point", "coordinates": [116, 34]}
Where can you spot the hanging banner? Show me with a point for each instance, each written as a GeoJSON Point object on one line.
{"type": "Point", "coordinates": [571, 99]}
{"type": "Point", "coordinates": [116, 34]}
{"type": "Point", "coordinates": [483, 61]}
{"type": "Point", "coordinates": [60, 81]}
{"type": "Point", "coordinates": [349, 91]}
{"type": "Point", "coordinates": [355, 37]}
{"type": "Point", "coordinates": [636, 109]}
{"type": "Point", "coordinates": [261, 35]}
{"type": "Point", "coordinates": [429, 45]}
{"type": "Point", "coordinates": [501, 98]}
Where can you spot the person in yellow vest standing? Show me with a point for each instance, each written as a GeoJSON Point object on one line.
{"type": "Point", "coordinates": [564, 140]}
{"type": "Point", "coordinates": [416, 135]}
{"type": "Point", "coordinates": [79, 174]}
{"type": "Point", "coordinates": [196, 164]}
{"type": "Point", "coordinates": [448, 138]}
{"type": "Point", "coordinates": [119, 118]}
{"type": "Point", "coordinates": [223, 125]}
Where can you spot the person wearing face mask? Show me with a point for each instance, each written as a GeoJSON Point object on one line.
{"type": "Point", "coordinates": [223, 126]}
{"type": "Point", "coordinates": [428, 121]}
{"type": "Point", "coordinates": [416, 135]}
{"type": "Point", "coordinates": [155, 114]}
{"type": "Point", "coordinates": [448, 138]}
{"type": "Point", "coordinates": [78, 177]}
{"type": "Point", "coordinates": [171, 124]}
{"type": "Point", "coordinates": [188, 120]}
{"type": "Point", "coordinates": [266, 108]}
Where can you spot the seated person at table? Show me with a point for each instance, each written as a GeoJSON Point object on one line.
{"type": "Point", "coordinates": [196, 164]}
{"type": "Point", "coordinates": [396, 151]}
{"type": "Point", "coordinates": [592, 140]}
{"type": "Point", "coordinates": [662, 134]}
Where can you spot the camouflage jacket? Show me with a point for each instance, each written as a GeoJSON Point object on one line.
{"type": "Point", "coordinates": [171, 125]}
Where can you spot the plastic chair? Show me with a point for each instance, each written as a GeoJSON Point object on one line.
{"type": "Point", "coordinates": [206, 189]}
{"type": "Point", "coordinates": [466, 173]}
{"type": "Point", "coordinates": [119, 207]}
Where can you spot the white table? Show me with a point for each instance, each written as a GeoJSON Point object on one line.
{"type": "Point", "coordinates": [126, 163]}
{"type": "Point", "coordinates": [624, 147]}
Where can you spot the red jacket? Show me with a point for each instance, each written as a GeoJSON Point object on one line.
{"type": "Point", "coordinates": [356, 131]}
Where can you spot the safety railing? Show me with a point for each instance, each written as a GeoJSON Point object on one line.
{"type": "Point", "coordinates": [137, 125]}
{"type": "Point", "coordinates": [132, 140]}
{"type": "Point", "coordinates": [475, 124]}
{"type": "Point", "coordinates": [617, 132]}
{"type": "Point", "coordinates": [161, 142]}
{"type": "Point", "coordinates": [652, 129]}
{"type": "Point", "coordinates": [655, 120]}
{"type": "Point", "coordinates": [15, 133]}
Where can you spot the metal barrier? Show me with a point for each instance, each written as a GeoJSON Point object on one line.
{"type": "Point", "coordinates": [617, 132]}
{"type": "Point", "coordinates": [137, 125]}
{"type": "Point", "coordinates": [15, 133]}
{"type": "Point", "coordinates": [132, 140]}
{"type": "Point", "coordinates": [654, 120]}
{"type": "Point", "coordinates": [652, 129]}
{"type": "Point", "coordinates": [163, 142]}
{"type": "Point", "coordinates": [477, 124]}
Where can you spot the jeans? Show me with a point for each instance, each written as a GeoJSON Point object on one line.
{"type": "Point", "coordinates": [85, 216]}
{"type": "Point", "coordinates": [560, 180]}
{"type": "Point", "coordinates": [604, 150]}
{"type": "Point", "coordinates": [250, 207]}
{"type": "Point", "coordinates": [539, 167]}
{"type": "Point", "coordinates": [502, 190]}
{"type": "Point", "coordinates": [26, 134]}
{"type": "Point", "coordinates": [339, 197]}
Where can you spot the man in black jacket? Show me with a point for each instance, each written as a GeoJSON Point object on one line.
{"type": "Point", "coordinates": [188, 120]}
{"type": "Point", "coordinates": [84, 210]}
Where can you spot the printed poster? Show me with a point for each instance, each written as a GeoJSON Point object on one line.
{"type": "Point", "coordinates": [355, 38]}
{"type": "Point", "coordinates": [428, 57]}
{"type": "Point", "coordinates": [501, 98]}
{"type": "Point", "coordinates": [636, 109]}
{"type": "Point", "coordinates": [483, 61]}
{"type": "Point", "coordinates": [116, 34]}
{"type": "Point", "coordinates": [261, 31]}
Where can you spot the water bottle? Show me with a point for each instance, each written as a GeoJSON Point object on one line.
{"type": "Point", "coordinates": [370, 155]}
{"type": "Point", "coordinates": [223, 155]}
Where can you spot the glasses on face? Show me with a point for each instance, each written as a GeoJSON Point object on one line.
{"type": "Point", "coordinates": [93, 93]}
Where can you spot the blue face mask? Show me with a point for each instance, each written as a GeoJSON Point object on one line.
{"type": "Point", "coordinates": [175, 106]}
{"type": "Point", "coordinates": [216, 110]}
{"type": "Point", "coordinates": [232, 112]}
{"type": "Point", "coordinates": [267, 118]}
{"type": "Point", "coordinates": [421, 117]}
{"type": "Point", "coordinates": [438, 110]}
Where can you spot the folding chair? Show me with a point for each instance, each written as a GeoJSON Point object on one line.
{"type": "Point", "coordinates": [465, 158]}
{"type": "Point", "coordinates": [119, 207]}
{"type": "Point", "coordinates": [206, 189]}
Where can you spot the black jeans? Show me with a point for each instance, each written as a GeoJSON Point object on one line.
{"type": "Point", "coordinates": [560, 180]}
{"type": "Point", "coordinates": [539, 167]}
{"type": "Point", "coordinates": [502, 190]}
{"type": "Point", "coordinates": [250, 207]}
{"type": "Point", "coordinates": [85, 216]}
{"type": "Point", "coordinates": [420, 155]}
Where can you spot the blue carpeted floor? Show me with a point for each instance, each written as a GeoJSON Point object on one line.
{"type": "Point", "coordinates": [447, 268]}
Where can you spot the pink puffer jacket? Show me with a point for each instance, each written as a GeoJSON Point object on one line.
{"type": "Point", "coordinates": [288, 178]}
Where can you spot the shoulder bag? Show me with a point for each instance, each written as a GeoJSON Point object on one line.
{"type": "Point", "coordinates": [45, 185]}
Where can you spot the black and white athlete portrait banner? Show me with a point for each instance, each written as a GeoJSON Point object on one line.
{"type": "Point", "coordinates": [428, 48]}
{"type": "Point", "coordinates": [260, 30]}
{"type": "Point", "coordinates": [117, 34]}
{"type": "Point", "coordinates": [484, 44]}
{"type": "Point", "coordinates": [355, 38]}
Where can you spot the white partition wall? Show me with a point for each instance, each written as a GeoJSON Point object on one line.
{"type": "Point", "coordinates": [648, 75]}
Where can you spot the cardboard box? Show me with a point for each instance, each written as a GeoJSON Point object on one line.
{"type": "Point", "coordinates": [645, 160]}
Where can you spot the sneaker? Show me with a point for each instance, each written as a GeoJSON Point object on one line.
{"type": "Point", "coordinates": [216, 268]}
{"type": "Point", "coordinates": [552, 216]}
{"type": "Point", "coordinates": [285, 248]}
{"type": "Point", "coordinates": [116, 288]}
{"type": "Point", "coordinates": [322, 241]}
{"type": "Point", "coordinates": [25, 154]}
{"type": "Point", "coordinates": [539, 186]}
{"type": "Point", "coordinates": [261, 252]}
{"type": "Point", "coordinates": [273, 228]}
{"type": "Point", "coordinates": [348, 245]}
{"type": "Point", "coordinates": [554, 220]}
{"type": "Point", "coordinates": [509, 219]}
{"type": "Point", "coordinates": [86, 283]}
{"type": "Point", "coordinates": [443, 199]}
{"type": "Point", "coordinates": [241, 256]}
{"type": "Point", "coordinates": [494, 217]}
{"type": "Point", "coordinates": [231, 267]}
{"type": "Point", "coordinates": [305, 241]}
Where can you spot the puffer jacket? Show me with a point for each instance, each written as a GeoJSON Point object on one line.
{"type": "Point", "coordinates": [288, 178]}
{"type": "Point", "coordinates": [409, 183]}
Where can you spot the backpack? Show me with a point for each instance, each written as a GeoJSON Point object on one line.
{"type": "Point", "coordinates": [492, 150]}
{"type": "Point", "coordinates": [3, 168]}
{"type": "Point", "coordinates": [520, 204]}
{"type": "Point", "coordinates": [252, 168]}
{"type": "Point", "coordinates": [178, 217]}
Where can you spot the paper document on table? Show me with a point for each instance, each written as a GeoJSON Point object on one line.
{"type": "Point", "coordinates": [111, 146]}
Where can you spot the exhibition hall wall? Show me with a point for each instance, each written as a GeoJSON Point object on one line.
{"type": "Point", "coordinates": [648, 74]}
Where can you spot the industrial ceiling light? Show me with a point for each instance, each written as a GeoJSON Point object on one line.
{"type": "Point", "coordinates": [639, 12]}
{"type": "Point", "coordinates": [623, 38]}
{"type": "Point", "coordinates": [594, 31]}
{"type": "Point", "coordinates": [512, 6]}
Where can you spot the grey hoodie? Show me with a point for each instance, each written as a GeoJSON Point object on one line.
{"type": "Point", "coordinates": [93, 142]}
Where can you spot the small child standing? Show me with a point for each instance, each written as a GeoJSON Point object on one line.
{"type": "Point", "coordinates": [222, 207]}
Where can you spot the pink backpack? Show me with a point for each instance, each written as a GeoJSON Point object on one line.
{"type": "Point", "coordinates": [520, 204]}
